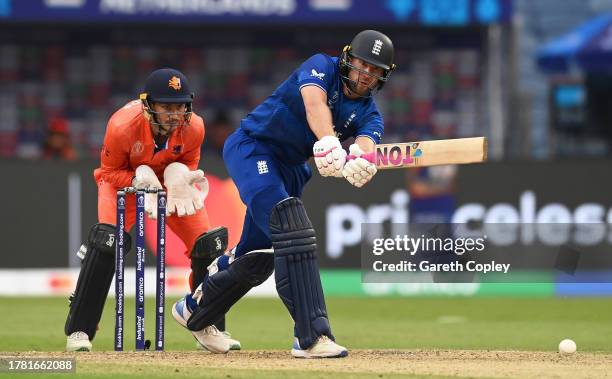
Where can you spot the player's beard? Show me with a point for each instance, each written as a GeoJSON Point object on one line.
{"type": "Point", "coordinates": [363, 89]}
{"type": "Point", "coordinates": [164, 130]}
{"type": "Point", "coordinates": [360, 87]}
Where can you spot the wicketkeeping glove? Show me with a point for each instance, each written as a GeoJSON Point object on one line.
{"type": "Point", "coordinates": [184, 197]}
{"type": "Point", "coordinates": [329, 156]}
{"type": "Point", "coordinates": [145, 178]}
{"type": "Point", "coordinates": [358, 171]}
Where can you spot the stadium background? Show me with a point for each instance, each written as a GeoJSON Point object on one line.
{"type": "Point", "coordinates": [465, 68]}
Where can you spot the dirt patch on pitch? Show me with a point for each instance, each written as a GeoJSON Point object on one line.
{"type": "Point", "coordinates": [496, 364]}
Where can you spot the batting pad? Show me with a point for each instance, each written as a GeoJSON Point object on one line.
{"type": "Point", "coordinates": [224, 288]}
{"type": "Point", "coordinates": [297, 271]}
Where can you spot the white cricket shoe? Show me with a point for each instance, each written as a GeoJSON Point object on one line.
{"type": "Point", "coordinates": [78, 341]}
{"type": "Point", "coordinates": [323, 347]}
{"type": "Point", "coordinates": [234, 344]}
{"type": "Point", "coordinates": [210, 338]}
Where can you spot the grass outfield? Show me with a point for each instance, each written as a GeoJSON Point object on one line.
{"type": "Point", "coordinates": [410, 326]}
{"type": "Point", "coordinates": [374, 323]}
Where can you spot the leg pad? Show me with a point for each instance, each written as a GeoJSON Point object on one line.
{"type": "Point", "coordinates": [224, 288]}
{"type": "Point", "coordinates": [297, 272]}
{"type": "Point", "coordinates": [95, 277]}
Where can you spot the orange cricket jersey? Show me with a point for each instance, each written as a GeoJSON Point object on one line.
{"type": "Point", "coordinates": [129, 143]}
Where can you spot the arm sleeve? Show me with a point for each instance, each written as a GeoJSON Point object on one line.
{"type": "Point", "coordinates": [191, 158]}
{"type": "Point", "coordinates": [372, 127]}
{"type": "Point", "coordinates": [115, 158]}
{"type": "Point", "coordinates": [317, 70]}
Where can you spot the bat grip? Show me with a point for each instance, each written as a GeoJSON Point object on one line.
{"type": "Point", "coordinates": [370, 157]}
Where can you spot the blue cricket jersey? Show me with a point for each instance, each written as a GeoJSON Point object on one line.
{"type": "Point", "coordinates": [281, 119]}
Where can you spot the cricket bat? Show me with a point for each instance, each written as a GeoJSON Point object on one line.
{"type": "Point", "coordinates": [428, 153]}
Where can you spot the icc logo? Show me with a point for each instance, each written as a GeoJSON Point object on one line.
{"type": "Point", "coordinates": [137, 148]}
{"type": "Point", "coordinates": [140, 201]}
{"type": "Point", "coordinates": [121, 204]}
{"type": "Point", "coordinates": [162, 202]}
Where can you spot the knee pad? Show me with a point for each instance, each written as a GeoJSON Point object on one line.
{"type": "Point", "coordinates": [102, 238]}
{"type": "Point", "coordinates": [206, 249]}
{"type": "Point", "coordinates": [224, 288]}
{"type": "Point", "coordinates": [296, 270]}
{"type": "Point", "coordinates": [95, 277]}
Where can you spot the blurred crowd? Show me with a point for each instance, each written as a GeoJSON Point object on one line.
{"type": "Point", "coordinates": [55, 100]}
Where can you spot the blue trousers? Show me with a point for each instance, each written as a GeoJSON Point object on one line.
{"type": "Point", "coordinates": [263, 180]}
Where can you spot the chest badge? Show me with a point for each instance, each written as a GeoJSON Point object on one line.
{"type": "Point", "coordinates": [350, 119]}
{"type": "Point", "coordinates": [137, 148]}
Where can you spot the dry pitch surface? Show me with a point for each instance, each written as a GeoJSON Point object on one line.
{"type": "Point", "coordinates": [368, 363]}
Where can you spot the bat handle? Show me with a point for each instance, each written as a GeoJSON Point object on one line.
{"type": "Point", "coordinates": [370, 157]}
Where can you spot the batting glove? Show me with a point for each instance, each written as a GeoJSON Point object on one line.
{"type": "Point", "coordinates": [358, 171]}
{"type": "Point", "coordinates": [329, 156]}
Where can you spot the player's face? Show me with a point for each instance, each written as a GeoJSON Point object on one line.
{"type": "Point", "coordinates": [169, 117]}
{"type": "Point", "coordinates": [364, 75]}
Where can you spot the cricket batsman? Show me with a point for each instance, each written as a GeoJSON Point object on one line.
{"type": "Point", "coordinates": [325, 101]}
{"type": "Point", "coordinates": [154, 143]}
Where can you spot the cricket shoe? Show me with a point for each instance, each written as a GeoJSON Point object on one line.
{"type": "Point", "coordinates": [210, 338]}
{"type": "Point", "coordinates": [78, 341]}
{"type": "Point", "coordinates": [234, 344]}
{"type": "Point", "coordinates": [323, 347]}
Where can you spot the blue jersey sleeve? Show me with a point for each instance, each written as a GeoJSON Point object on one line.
{"type": "Point", "coordinates": [372, 126]}
{"type": "Point", "coordinates": [317, 70]}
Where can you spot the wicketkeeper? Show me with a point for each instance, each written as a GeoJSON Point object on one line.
{"type": "Point", "coordinates": [152, 142]}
